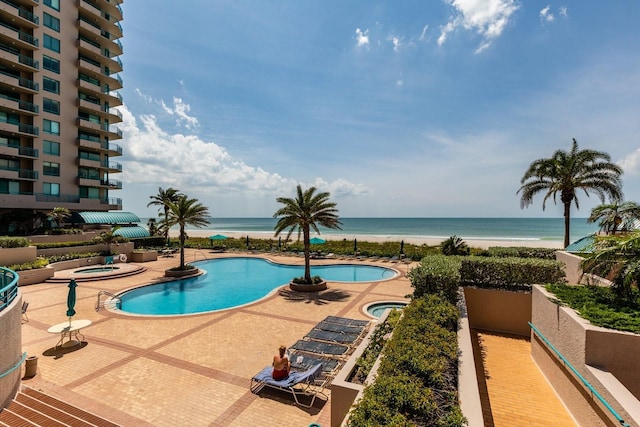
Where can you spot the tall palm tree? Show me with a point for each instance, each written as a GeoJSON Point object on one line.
{"type": "Point", "coordinates": [306, 212]}
{"type": "Point", "coordinates": [566, 172]}
{"type": "Point", "coordinates": [162, 200]}
{"type": "Point", "coordinates": [616, 216]}
{"type": "Point", "coordinates": [59, 215]}
{"type": "Point", "coordinates": [185, 211]}
{"type": "Point", "coordinates": [109, 238]}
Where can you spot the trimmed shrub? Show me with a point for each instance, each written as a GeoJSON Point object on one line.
{"type": "Point", "coordinates": [31, 265]}
{"type": "Point", "coordinates": [513, 274]}
{"type": "Point", "coordinates": [437, 274]}
{"type": "Point", "coordinates": [416, 384]}
{"type": "Point", "coordinates": [13, 242]}
{"type": "Point", "coordinates": [148, 242]}
{"type": "Point", "coordinates": [521, 252]}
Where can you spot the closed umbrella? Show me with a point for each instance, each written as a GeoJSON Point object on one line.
{"type": "Point", "coordinates": [355, 246]}
{"type": "Point", "coordinates": [71, 299]}
{"type": "Point", "coordinates": [247, 241]}
{"type": "Point", "coordinates": [279, 241]}
{"type": "Point", "coordinates": [402, 247]}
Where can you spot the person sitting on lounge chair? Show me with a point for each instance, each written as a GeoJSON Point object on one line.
{"type": "Point", "coordinates": [281, 364]}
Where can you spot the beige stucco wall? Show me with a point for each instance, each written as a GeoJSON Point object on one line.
{"type": "Point", "coordinates": [572, 269]}
{"type": "Point", "coordinates": [60, 238]}
{"type": "Point", "coordinates": [10, 349]}
{"type": "Point", "coordinates": [500, 311]}
{"type": "Point", "coordinates": [584, 345]}
{"type": "Point", "coordinates": [10, 256]}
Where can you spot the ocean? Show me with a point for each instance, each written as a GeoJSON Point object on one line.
{"type": "Point", "coordinates": [513, 229]}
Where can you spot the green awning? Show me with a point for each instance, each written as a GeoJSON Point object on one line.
{"type": "Point", "coordinates": [583, 245]}
{"type": "Point", "coordinates": [132, 232]}
{"type": "Point", "coordinates": [104, 218]}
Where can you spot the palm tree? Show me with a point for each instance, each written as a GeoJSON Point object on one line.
{"type": "Point", "coordinates": [185, 211]}
{"type": "Point", "coordinates": [109, 237]}
{"type": "Point", "coordinates": [59, 215]}
{"type": "Point", "coordinates": [618, 260]}
{"type": "Point", "coordinates": [616, 216]}
{"type": "Point", "coordinates": [162, 200]}
{"type": "Point", "coordinates": [152, 225]}
{"type": "Point", "coordinates": [566, 172]}
{"type": "Point", "coordinates": [306, 212]}
{"type": "Point", "coordinates": [454, 245]}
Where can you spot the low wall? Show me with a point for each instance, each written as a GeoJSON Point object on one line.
{"type": "Point", "coordinates": [121, 248]}
{"type": "Point", "coordinates": [11, 350]}
{"type": "Point", "coordinates": [499, 310]}
{"type": "Point", "coordinates": [607, 359]}
{"type": "Point", "coordinates": [144, 256]}
{"type": "Point", "coordinates": [10, 256]}
{"type": "Point", "coordinates": [572, 270]}
{"type": "Point", "coordinates": [63, 238]}
{"type": "Point", "coordinates": [38, 275]}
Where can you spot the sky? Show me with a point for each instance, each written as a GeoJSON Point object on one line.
{"type": "Point", "coordinates": [397, 109]}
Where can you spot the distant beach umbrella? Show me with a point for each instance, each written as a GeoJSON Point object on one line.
{"type": "Point", "coordinates": [71, 299]}
{"type": "Point", "coordinates": [218, 237]}
{"type": "Point", "coordinates": [317, 241]}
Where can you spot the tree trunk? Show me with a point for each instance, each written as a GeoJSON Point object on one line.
{"type": "Point", "coordinates": [181, 246]}
{"type": "Point", "coordinates": [567, 222]}
{"type": "Point", "coordinates": [307, 255]}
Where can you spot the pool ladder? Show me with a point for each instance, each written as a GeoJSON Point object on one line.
{"type": "Point", "coordinates": [114, 302]}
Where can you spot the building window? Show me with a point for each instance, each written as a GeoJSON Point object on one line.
{"type": "Point", "coordinates": [89, 156]}
{"type": "Point", "coordinates": [50, 85]}
{"type": "Point", "coordinates": [51, 189]}
{"type": "Point", "coordinates": [51, 106]}
{"type": "Point", "coordinates": [9, 187]}
{"type": "Point", "coordinates": [53, 4]}
{"type": "Point", "coordinates": [51, 43]}
{"type": "Point", "coordinates": [50, 126]}
{"type": "Point", "coordinates": [12, 118]}
{"type": "Point", "coordinates": [51, 22]}
{"type": "Point", "coordinates": [51, 147]}
{"type": "Point", "coordinates": [51, 168]}
{"type": "Point", "coordinates": [51, 64]}
{"type": "Point", "coordinates": [89, 192]}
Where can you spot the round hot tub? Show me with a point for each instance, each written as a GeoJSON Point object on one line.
{"type": "Point", "coordinates": [375, 309]}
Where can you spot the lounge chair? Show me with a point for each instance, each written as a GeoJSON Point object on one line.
{"type": "Point", "coordinates": [321, 348]}
{"type": "Point", "coordinates": [335, 327]}
{"type": "Point", "coordinates": [334, 337]}
{"type": "Point", "coordinates": [306, 383]}
{"type": "Point", "coordinates": [304, 361]}
{"type": "Point", "coordinates": [345, 321]}
{"type": "Point", "coordinates": [25, 306]}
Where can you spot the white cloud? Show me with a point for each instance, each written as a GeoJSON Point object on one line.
{"type": "Point", "coordinates": [486, 17]}
{"type": "Point", "coordinates": [631, 163]}
{"type": "Point", "coordinates": [423, 34]}
{"type": "Point", "coordinates": [396, 41]}
{"type": "Point", "coordinates": [153, 156]}
{"type": "Point", "coordinates": [180, 109]}
{"type": "Point", "coordinates": [362, 37]}
{"type": "Point", "coordinates": [546, 15]}
{"type": "Point", "coordinates": [563, 12]}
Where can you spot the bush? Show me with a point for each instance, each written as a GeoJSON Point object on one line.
{"type": "Point", "coordinates": [376, 344]}
{"type": "Point", "coordinates": [416, 383]}
{"type": "Point", "coordinates": [521, 252]}
{"type": "Point", "coordinates": [300, 280]}
{"type": "Point", "coordinates": [13, 242]}
{"type": "Point", "coordinates": [64, 244]}
{"type": "Point", "coordinates": [437, 274]}
{"type": "Point", "coordinates": [513, 274]}
{"type": "Point", "coordinates": [31, 265]}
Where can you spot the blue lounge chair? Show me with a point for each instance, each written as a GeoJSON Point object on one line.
{"type": "Point", "coordinates": [304, 361]}
{"type": "Point", "coordinates": [307, 383]}
{"type": "Point", "coordinates": [334, 327]}
{"type": "Point", "coordinates": [333, 337]}
{"type": "Point", "coordinates": [345, 321]}
{"type": "Point", "coordinates": [320, 348]}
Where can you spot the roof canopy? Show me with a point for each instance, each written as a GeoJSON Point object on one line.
{"type": "Point", "coordinates": [132, 232]}
{"type": "Point", "coordinates": [104, 218]}
{"type": "Point", "coordinates": [583, 245]}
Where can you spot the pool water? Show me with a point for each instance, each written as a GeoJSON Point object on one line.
{"type": "Point", "coordinates": [95, 270]}
{"type": "Point", "coordinates": [377, 309]}
{"type": "Point", "coordinates": [232, 282]}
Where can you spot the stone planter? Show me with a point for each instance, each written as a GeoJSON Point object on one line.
{"type": "Point", "coordinates": [145, 256]}
{"type": "Point", "coordinates": [181, 273]}
{"type": "Point", "coordinates": [298, 287]}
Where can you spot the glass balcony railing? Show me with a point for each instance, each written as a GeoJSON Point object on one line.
{"type": "Point", "coordinates": [23, 13]}
{"type": "Point", "coordinates": [65, 198]}
{"type": "Point", "coordinates": [28, 151]}
{"type": "Point", "coordinates": [115, 165]}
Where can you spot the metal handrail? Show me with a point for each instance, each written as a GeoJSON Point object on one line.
{"type": "Point", "coordinates": [580, 377]}
{"type": "Point", "coordinates": [109, 294]}
{"type": "Point", "coordinates": [16, 366]}
{"type": "Point", "coordinates": [8, 287]}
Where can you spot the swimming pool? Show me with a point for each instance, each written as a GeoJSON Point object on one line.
{"type": "Point", "coordinates": [377, 308]}
{"type": "Point", "coordinates": [232, 282]}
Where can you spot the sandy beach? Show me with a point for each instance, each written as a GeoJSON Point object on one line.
{"type": "Point", "coordinates": [474, 243]}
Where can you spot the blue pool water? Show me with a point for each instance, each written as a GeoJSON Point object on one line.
{"type": "Point", "coordinates": [231, 282]}
{"type": "Point", "coordinates": [377, 309]}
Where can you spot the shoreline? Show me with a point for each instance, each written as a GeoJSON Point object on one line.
{"type": "Point", "coordinates": [431, 241]}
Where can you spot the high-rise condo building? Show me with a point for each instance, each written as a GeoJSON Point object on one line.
{"type": "Point", "coordinates": [59, 65]}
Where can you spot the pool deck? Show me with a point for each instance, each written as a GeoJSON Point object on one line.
{"type": "Point", "coordinates": [186, 370]}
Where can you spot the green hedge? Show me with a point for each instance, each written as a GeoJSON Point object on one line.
{"type": "Point", "coordinates": [148, 242]}
{"type": "Point", "coordinates": [65, 244]}
{"type": "Point", "coordinates": [514, 274]}
{"type": "Point", "coordinates": [416, 383]}
{"type": "Point", "coordinates": [13, 242]}
{"type": "Point", "coordinates": [520, 252]}
{"type": "Point", "coordinates": [437, 274]}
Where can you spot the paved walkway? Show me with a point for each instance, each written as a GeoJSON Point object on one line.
{"type": "Point", "coordinates": [516, 392]}
{"type": "Point", "coordinates": [184, 370]}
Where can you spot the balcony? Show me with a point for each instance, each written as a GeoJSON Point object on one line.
{"type": "Point", "coordinates": [114, 167]}
{"type": "Point", "coordinates": [89, 105]}
{"type": "Point", "coordinates": [113, 184]}
{"type": "Point", "coordinates": [113, 202]}
{"type": "Point", "coordinates": [16, 105]}
{"type": "Point", "coordinates": [18, 151]}
{"type": "Point", "coordinates": [88, 125]}
{"type": "Point", "coordinates": [57, 198]}
{"type": "Point", "coordinates": [114, 150]}
{"type": "Point", "coordinates": [92, 68]}
{"type": "Point", "coordinates": [15, 82]}
{"type": "Point", "coordinates": [87, 48]}
{"type": "Point", "coordinates": [18, 174]}
{"type": "Point", "coordinates": [89, 163]}
{"type": "Point", "coordinates": [19, 61]}
{"type": "Point", "coordinates": [18, 38]}
{"type": "Point", "coordinates": [18, 14]}
{"type": "Point", "coordinates": [19, 129]}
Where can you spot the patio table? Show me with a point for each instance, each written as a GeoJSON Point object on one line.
{"type": "Point", "coordinates": [69, 330]}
